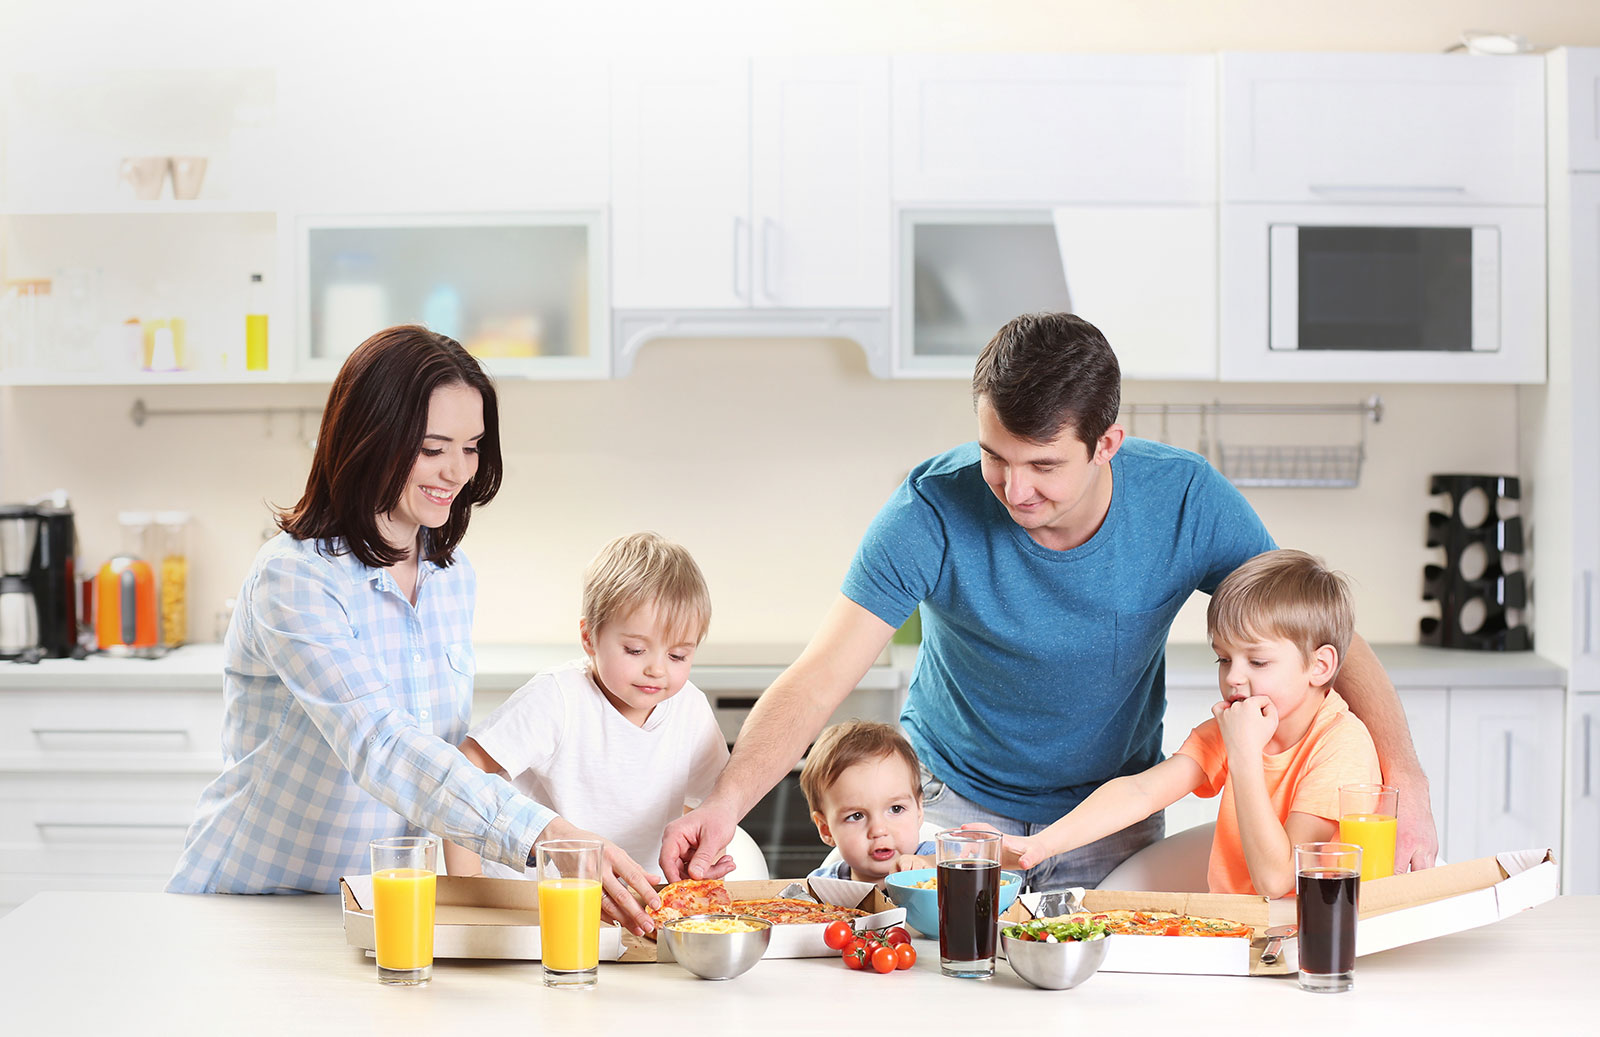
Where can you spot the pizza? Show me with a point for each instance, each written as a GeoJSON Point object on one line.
{"type": "Point", "coordinates": [711, 896]}
{"type": "Point", "coordinates": [690, 897]}
{"type": "Point", "coordinates": [1159, 923]}
{"type": "Point", "coordinates": [788, 911]}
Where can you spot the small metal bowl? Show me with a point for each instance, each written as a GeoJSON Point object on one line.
{"type": "Point", "coordinates": [717, 955]}
{"type": "Point", "coordinates": [1055, 966]}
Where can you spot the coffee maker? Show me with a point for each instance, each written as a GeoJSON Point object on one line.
{"type": "Point", "coordinates": [19, 613]}
{"type": "Point", "coordinates": [53, 578]}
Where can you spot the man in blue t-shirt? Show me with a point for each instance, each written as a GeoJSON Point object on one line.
{"type": "Point", "coordinates": [1048, 559]}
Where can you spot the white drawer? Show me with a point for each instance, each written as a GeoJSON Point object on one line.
{"type": "Point", "coordinates": [85, 824]}
{"type": "Point", "coordinates": [73, 721]}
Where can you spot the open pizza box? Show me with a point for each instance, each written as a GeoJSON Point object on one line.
{"type": "Point", "coordinates": [474, 917]}
{"type": "Point", "coordinates": [1395, 911]}
{"type": "Point", "coordinates": [792, 940]}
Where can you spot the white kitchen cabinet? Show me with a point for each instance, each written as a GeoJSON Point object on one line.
{"type": "Point", "coordinates": [1575, 72]}
{"type": "Point", "coordinates": [98, 786]}
{"type": "Point", "coordinates": [1582, 874]}
{"type": "Point", "coordinates": [740, 184]}
{"type": "Point", "coordinates": [1417, 129]}
{"type": "Point", "coordinates": [1505, 771]}
{"type": "Point", "coordinates": [1575, 318]}
{"type": "Point", "coordinates": [1383, 128]}
{"type": "Point", "coordinates": [1031, 129]}
{"type": "Point", "coordinates": [1428, 717]}
{"type": "Point", "coordinates": [1187, 709]}
{"type": "Point", "coordinates": [365, 134]}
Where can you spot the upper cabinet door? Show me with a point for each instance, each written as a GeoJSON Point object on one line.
{"type": "Point", "coordinates": [1581, 87]}
{"type": "Point", "coordinates": [820, 182]}
{"type": "Point", "coordinates": [384, 139]}
{"type": "Point", "coordinates": [1379, 128]}
{"type": "Point", "coordinates": [680, 184]}
{"type": "Point", "coordinates": [1054, 129]}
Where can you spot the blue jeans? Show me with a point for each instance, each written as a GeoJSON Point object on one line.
{"type": "Point", "coordinates": [1085, 866]}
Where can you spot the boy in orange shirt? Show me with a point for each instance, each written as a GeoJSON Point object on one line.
{"type": "Point", "coordinates": [1278, 746]}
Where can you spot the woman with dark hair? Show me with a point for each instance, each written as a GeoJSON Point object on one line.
{"type": "Point", "coordinates": [349, 658]}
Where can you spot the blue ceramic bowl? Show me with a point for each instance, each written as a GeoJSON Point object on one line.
{"type": "Point", "coordinates": [922, 905]}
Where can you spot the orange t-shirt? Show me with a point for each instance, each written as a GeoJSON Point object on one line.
{"type": "Point", "coordinates": [1336, 750]}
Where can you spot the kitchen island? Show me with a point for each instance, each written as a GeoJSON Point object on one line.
{"type": "Point", "coordinates": [101, 963]}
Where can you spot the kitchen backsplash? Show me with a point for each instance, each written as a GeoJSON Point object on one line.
{"type": "Point", "coordinates": [766, 458]}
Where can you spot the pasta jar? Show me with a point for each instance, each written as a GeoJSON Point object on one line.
{"type": "Point", "coordinates": [171, 533]}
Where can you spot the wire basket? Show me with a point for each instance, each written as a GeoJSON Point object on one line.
{"type": "Point", "coordinates": [1319, 466]}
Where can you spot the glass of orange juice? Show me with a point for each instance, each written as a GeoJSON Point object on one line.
{"type": "Point", "coordinates": [404, 877]}
{"type": "Point", "coordinates": [569, 911]}
{"type": "Point", "coordinates": [1367, 818]}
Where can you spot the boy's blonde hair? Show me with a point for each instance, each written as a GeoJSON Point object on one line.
{"type": "Point", "coordinates": [842, 746]}
{"type": "Point", "coordinates": [646, 568]}
{"type": "Point", "coordinates": [1287, 594]}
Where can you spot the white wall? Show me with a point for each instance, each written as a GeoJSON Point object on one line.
{"type": "Point", "coordinates": [766, 458]}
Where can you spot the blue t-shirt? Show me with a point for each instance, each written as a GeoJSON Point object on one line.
{"type": "Point", "coordinates": [1042, 673]}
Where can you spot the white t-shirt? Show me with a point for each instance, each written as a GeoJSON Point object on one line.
{"type": "Point", "coordinates": [563, 744]}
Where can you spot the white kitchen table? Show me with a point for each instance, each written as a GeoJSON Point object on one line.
{"type": "Point", "coordinates": [113, 963]}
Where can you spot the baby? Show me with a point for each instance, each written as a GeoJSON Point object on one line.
{"type": "Point", "coordinates": [861, 783]}
{"type": "Point", "coordinates": [617, 742]}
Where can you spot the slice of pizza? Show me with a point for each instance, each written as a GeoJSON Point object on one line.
{"type": "Point", "coordinates": [690, 897]}
{"type": "Point", "coordinates": [788, 911]}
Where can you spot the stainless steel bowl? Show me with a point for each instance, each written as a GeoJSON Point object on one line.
{"type": "Point", "coordinates": [1055, 966]}
{"type": "Point", "coordinates": [717, 955]}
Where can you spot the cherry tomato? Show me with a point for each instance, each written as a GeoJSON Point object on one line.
{"type": "Point", "coordinates": [884, 960]}
{"type": "Point", "coordinates": [897, 935]}
{"type": "Point", "coordinates": [838, 935]}
{"type": "Point", "coordinates": [856, 944]}
{"type": "Point", "coordinates": [905, 955]}
{"type": "Point", "coordinates": [855, 957]}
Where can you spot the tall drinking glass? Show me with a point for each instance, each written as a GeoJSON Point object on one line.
{"type": "Point", "coordinates": [1328, 884]}
{"type": "Point", "coordinates": [1367, 816]}
{"type": "Point", "coordinates": [969, 902]}
{"type": "Point", "coordinates": [404, 878]}
{"type": "Point", "coordinates": [569, 912]}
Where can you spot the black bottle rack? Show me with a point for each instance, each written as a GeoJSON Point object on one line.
{"type": "Point", "coordinates": [1499, 591]}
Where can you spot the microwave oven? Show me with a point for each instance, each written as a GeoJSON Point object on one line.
{"type": "Point", "coordinates": [1383, 293]}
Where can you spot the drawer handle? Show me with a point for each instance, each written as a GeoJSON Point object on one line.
{"type": "Point", "coordinates": [180, 825]}
{"type": "Point", "coordinates": [1506, 809]}
{"type": "Point", "coordinates": [145, 732]}
{"type": "Point", "coordinates": [1588, 612]}
{"type": "Point", "coordinates": [1387, 188]}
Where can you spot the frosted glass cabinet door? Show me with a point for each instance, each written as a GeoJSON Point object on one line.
{"type": "Point", "coordinates": [524, 292]}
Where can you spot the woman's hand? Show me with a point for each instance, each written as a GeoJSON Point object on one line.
{"type": "Point", "coordinates": [625, 887]}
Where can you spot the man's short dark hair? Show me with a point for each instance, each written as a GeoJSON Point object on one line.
{"type": "Point", "coordinates": [1045, 371]}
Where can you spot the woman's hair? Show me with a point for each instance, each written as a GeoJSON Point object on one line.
{"type": "Point", "coordinates": [647, 569]}
{"type": "Point", "coordinates": [1045, 371]}
{"type": "Point", "coordinates": [1287, 594]}
{"type": "Point", "coordinates": [372, 430]}
{"type": "Point", "coordinates": [842, 746]}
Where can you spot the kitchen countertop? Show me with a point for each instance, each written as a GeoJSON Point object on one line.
{"type": "Point", "coordinates": [82, 963]}
{"type": "Point", "coordinates": [503, 667]}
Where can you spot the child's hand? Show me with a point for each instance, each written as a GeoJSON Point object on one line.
{"type": "Point", "coordinates": [1019, 853]}
{"type": "Point", "coordinates": [1247, 725]}
{"type": "Point", "coordinates": [911, 862]}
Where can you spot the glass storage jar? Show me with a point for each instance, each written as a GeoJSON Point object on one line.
{"type": "Point", "coordinates": [172, 549]}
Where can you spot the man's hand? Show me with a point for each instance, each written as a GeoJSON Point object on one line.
{"type": "Point", "coordinates": [692, 845]}
{"type": "Point", "coordinates": [625, 888]}
{"type": "Point", "coordinates": [1247, 726]}
{"type": "Point", "coordinates": [1416, 844]}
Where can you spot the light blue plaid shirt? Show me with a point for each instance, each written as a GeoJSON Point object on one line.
{"type": "Point", "coordinates": [344, 706]}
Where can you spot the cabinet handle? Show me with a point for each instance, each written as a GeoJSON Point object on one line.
{"type": "Point", "coordinates": [766, 259]}
{"type": "Point", "coordinates": [1506, 809]}
{"type": "Point", "coordinates": [738, 257]}
{"type": "Point", "coordinates": [1387, 189]}
{"type": "Point", "coordinates": [1588, 753]}
{"type": "Point", "coordinates": [1588, 611]}
{"type": "Point", "coordinates": [181, 825]}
